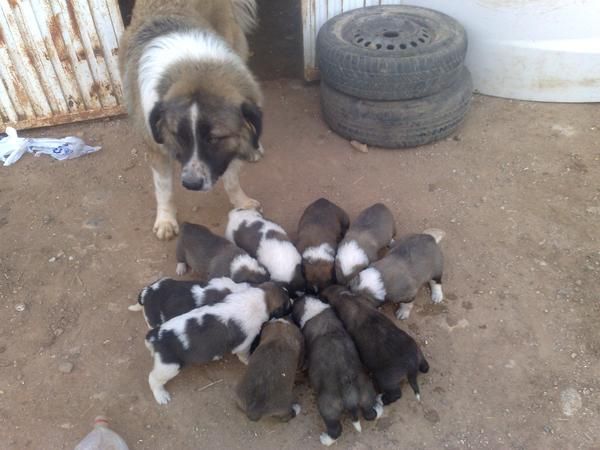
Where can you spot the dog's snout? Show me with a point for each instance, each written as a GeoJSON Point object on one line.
{"type": "Point", "coordinates": [194, 184]}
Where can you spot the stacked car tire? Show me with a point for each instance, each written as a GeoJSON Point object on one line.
{"type": "Point", "coordinates": [393, 76]}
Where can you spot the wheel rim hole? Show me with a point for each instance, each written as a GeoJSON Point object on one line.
{"type": "Point", "coordinates": [359, 40]}
{"type": "Point", "coordinates": [378, 46]}
{"type": "Point", "coordinates": [390, 47]}
{"type": "Point", "coordinates": [367, 43]}
{"type": "Point", "coordinates": [403, 46]}
{"type": "Point", "coordinates": [390, 34]}
{"type": "Point", "coordinates": [413, 43]}
{"type": "Point", "coordinates": [421, 40]}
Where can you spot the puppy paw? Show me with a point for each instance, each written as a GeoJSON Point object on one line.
{"type": "Point", "coordinates": [357, 426]}
{"type": "Point", "coordinates": [181, 268]}
{"type": "Point", "coordinates": [436, 293]}
{"type": "Point", "coordinates": [161, 396]}
{"type": "Point", "coordinates": [257, 154]}
{"type": "Point", "coordinates": [166, 227]}
{"type": "Point", "coordinates": [326, 440]}
{"type": "Point", "coordinates": [296, 407]}
{"type": "Point", "coordinates": [243, 357]}
{"type": "Point", "coordinates": [378, 407]}
{"type": "Point", "coordinates": [402, 314]}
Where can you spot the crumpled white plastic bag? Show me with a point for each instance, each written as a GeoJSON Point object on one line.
{"type": "Point", "coordinates": [12, 147]}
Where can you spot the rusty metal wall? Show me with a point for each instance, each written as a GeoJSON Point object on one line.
{"type": "Point", "coordinates": [58, 61]}
{"type": "Point", "coordinates": [314, 14]}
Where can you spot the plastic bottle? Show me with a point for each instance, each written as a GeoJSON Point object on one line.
{"type": "Point", "coordinates": [102, 438]}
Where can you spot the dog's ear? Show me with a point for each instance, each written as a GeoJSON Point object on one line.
{"type": "Point", "coordinates": [253, 116]}
{"type": "Point", "coordinates": [155, 121]}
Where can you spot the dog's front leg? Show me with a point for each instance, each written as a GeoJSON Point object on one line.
{"type": "Point", "coordinates": [165, 225]}
{"type": "Point", "coordinates": [237, 196]}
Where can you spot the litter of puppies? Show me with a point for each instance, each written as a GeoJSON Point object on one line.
{"type": "Point", "coordinates": [283, 306]}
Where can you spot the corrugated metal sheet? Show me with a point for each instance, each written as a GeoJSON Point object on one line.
{"type": "Point", "coordinates": [58, 61]}
{"type": "Point", "coordinates": [314, 14]}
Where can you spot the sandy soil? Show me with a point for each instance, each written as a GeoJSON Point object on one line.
{"type": "Point", "coordinates": [514, 348]}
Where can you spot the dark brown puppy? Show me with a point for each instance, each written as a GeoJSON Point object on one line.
{"type": "Point", "coordinates": [321, 228]}
{"type": "Point", "coordinates": [213, 256]}
{"type": "Point", "coordinates": [267, 386]}
{"type": "Point", "coordinates": [389, 353]}
{"type": "Point", "coordinates": [372, 230]}
{"type": "Point", "coordinates": [334, 368]}
{"type": "Point", "coordinates": [412, 261]}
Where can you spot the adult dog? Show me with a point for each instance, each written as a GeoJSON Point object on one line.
{"type": "Point", "coordinates": [191, 95]}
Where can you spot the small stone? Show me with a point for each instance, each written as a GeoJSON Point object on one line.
{"type": "Point", "coordinates": [47, 220]}
{"type": "Point", "coordinates": [359, 146]}
{"type": "Point", "coordinates": [578, 282]}
{"type": "Point", "coordinates": [58, 332]}
{"type": "Point", "coordinates": [593, 210]}
{"type": "Point", "coordinates": [65, 367]}
{"type": "Point", "coordinates": [66, 426]}
{"type": "Point", "coordinates": [548, 429]}
{"type": "Point", "coordinates": [195, 209]}
{"type": "Point", "coordinates": [573, 355]}
{"type": "Point", "coordinates": [20, 307]}
{"type": "Point", "coordinates": [51, 260]}
{"type": "Point", "coordinates": [570, 401]}
{"type": "Point", "coordinates": [134, 151]}
{"type": "Point", "coordinates": [71, 258]}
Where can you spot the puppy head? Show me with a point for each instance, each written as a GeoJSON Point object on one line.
{"type": "Point", "coordinates": [277, 299]}
{"type": "Point", "coordinates": [333, 292]}
{"type": "Point", "coordinates": [318, 274]}
{"type": "Point", "coordinates": [245, 268]}
{"type": "Point", "coordinates": [298, 284]}
{"type": "Point", "coordinates": [205, 131]}
{"type": "Point", "coordinates": [369, 283]}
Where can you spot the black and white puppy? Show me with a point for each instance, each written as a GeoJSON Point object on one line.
{"type": "Point", "coordinates": [334, 368]}
{"type": "Point", "coordinates": [413, 260]}
{"type": "Point", "coordinates": [372, 230]}
{"type": "Point", "coordinates": [213, 256]}
{"type": "Point", "coordinates": [321, 228]}
{"type": "Point", "coordinates": [387, 352]}
{"type": "Point", "coordinates": [208, 333]}
{"type": "Point", "coordinates": [168, 298]}
{"type": "Point", "coordinates": [267, 386]}
{"type": "Point", "coordinates": [269, 243]}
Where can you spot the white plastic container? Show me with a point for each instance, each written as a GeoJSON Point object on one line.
{"type": "Point", "coordinates": [102, 438]}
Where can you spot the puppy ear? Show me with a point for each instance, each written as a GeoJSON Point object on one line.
{"type": "Point", "coordinates": [253, 116]}
{"type": "Point", "coordinates": [155, 122]}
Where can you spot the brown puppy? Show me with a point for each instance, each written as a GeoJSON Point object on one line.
{"type": "Point", "coordinates": [372, 230]}
{"type": "Point", "coordinates": [321, 228]}
{"type": "Point", "coordinates": [387, 352]}
{"type": "Point", "coordinates": [191, 96]}
{"type": "Point", "coordinates": [266, 388]}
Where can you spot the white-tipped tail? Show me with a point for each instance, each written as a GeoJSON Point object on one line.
{"type": "Point", "coordinates": [357, 426]}
{"type": "Point", "coordinates": [245, 14]}
{"type": "Point", "coordinates": [135, 307]}
{"type": "Point", "coordinates": [436, 233]}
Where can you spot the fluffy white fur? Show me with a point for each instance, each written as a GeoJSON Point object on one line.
{"type": "Point", "coordinates": [357, 426]}
{"type": "Point", "coordinates": [326, 440]}
{"type": "Point", "coordinates": [218, 284]}
{"type": "Point", "coordinates": [369, 280]}
{"type": "Point", "coordinates": [436, 292]}
{"type": "Point", "coordinates": [280, 258]}
{"type": "Point", "coordinates": [350, 255]}
{"type": "Point", "coordinates": [312, 307]}
{"type": "Point", "coordinates": [323, 252]}
{"type": "Point", "coordinates": [163, 52]}
{"type": "Point", "coordinates": [181, 268]}
{"type": "Point", "coordinates": [161, 373]}
{"type": "Point", "coordinates": [436, 233]}
{"type": "Point", "coordinates": [248, 262]}
{"type": "Point", "coordinates": [237, 217]}
{"type": "Point", "coordinates": [246, 308]}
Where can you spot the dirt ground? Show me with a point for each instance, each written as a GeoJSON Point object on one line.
{"type": "Point", "coordinates": [514, 348]}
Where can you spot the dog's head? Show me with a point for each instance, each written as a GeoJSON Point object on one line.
{"type": "Point", "coordinates": [205, 131]}
{"type": "Point", "coordinates": [277, 300]}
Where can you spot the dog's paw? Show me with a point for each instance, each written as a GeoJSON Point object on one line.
{"type": "Point", "coordinates": [297, 409]}
{"type": "Point", "coordinates": [243, 357]}
{"type": "Point", "coordinates": [249, 203]}
{"type": "Point", "coordinates": [326, 440]}
{"type": "Point", "coordinates": [166, 228]}
{"type": "Point", "coordinates": [378, 407]}
{"type": "Point", "coordinates": [181, 268]}
{"type": "Point", "coordinates": [161, 396]}
{"type": "Point", "coordinates": [437, 295]}
{"type": "Point", "coordinates": [403, 312]}
{"type": "Point", "coordinates": [258, 154]}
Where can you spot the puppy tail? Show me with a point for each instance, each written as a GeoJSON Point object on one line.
{"type": "Point", "coordinates": [436, 233]}
{"type": "Point", "coordinates": [245, 14]}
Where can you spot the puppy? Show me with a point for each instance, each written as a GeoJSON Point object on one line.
{"type": "Point", "coordinates": [266, 388]}
{"type": "Point", "coordinates": [213, 256]}
{"type": "Point", "coordinates": [191, 96]}
{"type": "Point", "coordinates": [334, 368]}
{"type": "Point", "coordinates": [372, 230]}
{"type": "Point", "coordinates": [412, 261]}
{"type": "Point", "coordinates": [321, 227]}
{"type": "Point", "coordinates": [168, 298]}
{"type": "Point", "coordinates": [207, 333]}
{"type": "Point", "coordinates": [269, 243]}
{"type": "Point", "coordinates": [387, 352]}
